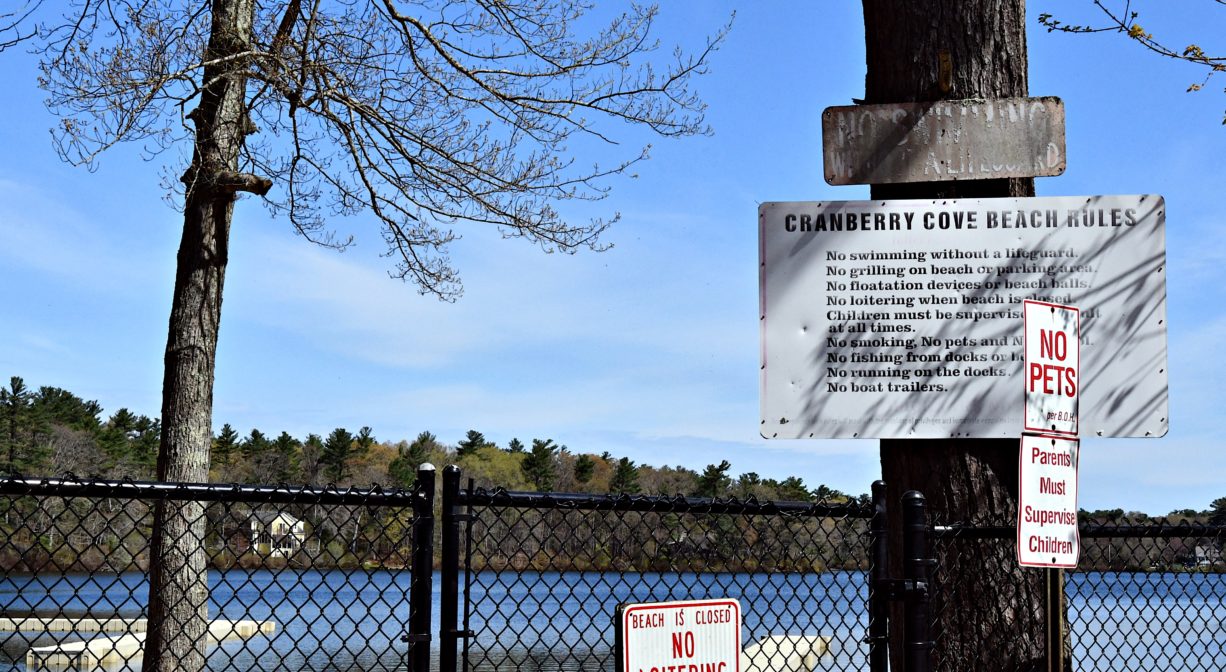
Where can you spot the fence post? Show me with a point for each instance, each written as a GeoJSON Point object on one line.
{"type": "Point", "coordinates": [917, 617]}
{"type": "Point", "coordinates": [1055, 619]}
{"type": "Point", "coordinates": [422, 571]}
{"type": "Point", "coordinates": [878, 589]}
{"type": "Point", "coordinates": [449, 572]}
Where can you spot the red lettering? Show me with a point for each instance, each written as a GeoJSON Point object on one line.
{"type": "Point", "coordinates": [1058, 380]}
{"type": "Point", "coordinates": [1053, 345]}
{"type": "Point", "coordinates": [1049, 486]}
{"type": "Point", "coordinates": [683, 645]}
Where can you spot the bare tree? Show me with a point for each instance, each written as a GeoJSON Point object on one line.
{"type": "Point", "coordinates": [424, 114]}
{"type": "Point", "coordinates": [1119, 16]}
{"type": "Point", "coordinates": [75, 451]}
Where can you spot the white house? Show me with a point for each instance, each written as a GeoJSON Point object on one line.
{"type": "Point", "coordinates": [276, 534]}
{"type": "Point", "coordinates": [1207, 555]}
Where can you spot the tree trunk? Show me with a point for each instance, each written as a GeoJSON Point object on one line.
{"type": "Point", "coordinates": [988, 612]}
{"type": "Point", "coordinates": [178, 586]}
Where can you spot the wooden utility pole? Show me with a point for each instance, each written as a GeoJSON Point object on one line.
{"type": "Point", "coordinates": [989, 613]}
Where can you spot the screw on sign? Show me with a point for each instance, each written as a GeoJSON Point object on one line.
{"type": "Point", "coordinates": [698, 636]}
{"type": "Point", "coordinates": [1052, 363]}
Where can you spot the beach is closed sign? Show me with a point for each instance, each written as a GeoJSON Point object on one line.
{"type": "Point", "coordinates": [691, 636]}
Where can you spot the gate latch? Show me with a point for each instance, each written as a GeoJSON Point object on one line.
{"type": "Point", "coordinates": [897, 590]}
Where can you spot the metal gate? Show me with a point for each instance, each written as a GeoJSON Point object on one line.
{"type": "Point", "coordinates": [531, 581]}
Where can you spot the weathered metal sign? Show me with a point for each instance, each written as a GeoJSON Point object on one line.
{"type": "Point", "coordinates": [943, 140]}
{"type": "Point", "coordinates": [904, 318]}
{"type": "Point", "coordinates": [1047, 534]}
{"type": "Point", "coordinates": [693, 636]}
{"type": "Point", "coordinates": [1053, 355]}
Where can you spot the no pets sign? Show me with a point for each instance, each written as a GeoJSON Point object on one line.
{"type": "Point", "coordinates": [1053, 355]}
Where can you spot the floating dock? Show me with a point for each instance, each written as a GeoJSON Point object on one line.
{"type": "Point", "coordinates": [786, 653]}
{"type": "Point", "coordinates": [119, 639]}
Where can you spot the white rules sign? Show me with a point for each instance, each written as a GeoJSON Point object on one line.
{"type": "Point", "coordinates": [903, 319]}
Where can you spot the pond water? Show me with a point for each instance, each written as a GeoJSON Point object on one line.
{"type": "Point", "coordinates": [353, 620]}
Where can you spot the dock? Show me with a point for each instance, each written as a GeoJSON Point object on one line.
{"type": "Point", "coordinates": [118, 639]}
{"type": "Point", "coordinates": [790, 653]}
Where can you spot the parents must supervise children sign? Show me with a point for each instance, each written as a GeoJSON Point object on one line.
{"type": "Point", "coordinates": [1047, 534]}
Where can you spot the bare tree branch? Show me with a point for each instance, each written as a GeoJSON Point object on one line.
{"type": "Point", "coordinates": [424, 114]}
{"type": "Point", "coordinates": [1126, 21]}
{"type": "Point", "coordinates": [11, 23]}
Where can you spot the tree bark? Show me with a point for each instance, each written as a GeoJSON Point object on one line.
{"type": "Point", "coordinates": [988, 612]}
{"type": "Point", "coordinates": [178, 586]}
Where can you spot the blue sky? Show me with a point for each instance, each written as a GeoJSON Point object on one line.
{"type": "Point", "coordinates": [649, 350]}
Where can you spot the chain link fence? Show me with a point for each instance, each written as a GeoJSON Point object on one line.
{"type": "Point", "coordinates": [1146, 596]}
{"type": "Point", "coordinates": [295, 579]}
{"type": "Point", "coordinates": [547, 572]}
{"type": "Point", "coordinates": [306, 579]}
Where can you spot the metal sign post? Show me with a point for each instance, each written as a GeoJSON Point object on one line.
{"type": "Point", "coordinates": [1053, 384]}
{"type": "Point", "coordinates": [1054, 606]}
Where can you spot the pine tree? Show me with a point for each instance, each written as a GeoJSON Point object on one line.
{"type": "Point", "coordinates": [403, 469]}
{"type": "Point", "coordinates": [714, 481]}
{"type": "Point", "coordinates": [115, 434]}
{"type": "Point", "coordinates": [748, 483]}
{"type": "Point", "coordinates": [278, 464]}
{"type": "Point", "coordinates": [1217, 512]}
{"type": "Point", "coordinates": [225, 445]}
{"type": "Point", "coordinates": [538, 465]}
{"type": "Point", "coordinates": [827, 494]}
{"type": "Point", "coordinates": [625, 479]}
{"type": "Point", "coordinates": [310, 459]}
{"type": "Point", "coordinates": [362, 444]}
{"type": "Point", "coordinates": [585, 468]}
{"type": "Point", "coordinates": [472, 441]}
{"type": "Point", "coordinates": [792, 489]}
{"type": "Point", "coordinates": [24, 430]}
{"type": "Point", "coordinates": [143, 442]}
{"type": "Point", "coordinates": [336, 451]}
{"type": "Point", "coordinates": [255, 444]}
{"type": "Point", "coordinates": [62, 407]}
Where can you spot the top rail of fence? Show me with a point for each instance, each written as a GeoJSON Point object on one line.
{"type": "Point", "coordinates": [206, 492]}
{"type": "Point", "coordinates": [672, 504]}
{"type": "Point", "coordinates": [1156, 530]}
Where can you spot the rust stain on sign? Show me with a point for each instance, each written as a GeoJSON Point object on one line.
{"type": "Point", "coordinates": [943, 140]}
